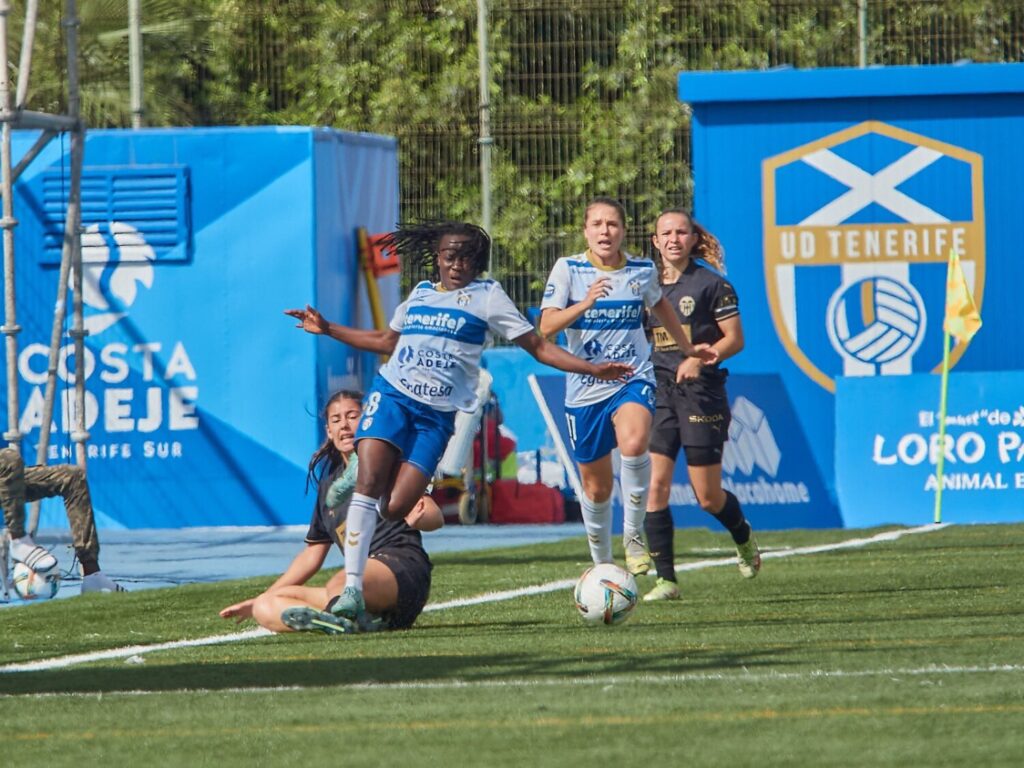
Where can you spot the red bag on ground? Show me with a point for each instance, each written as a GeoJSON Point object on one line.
{"type": "Point", "coordinates": [515, 502]}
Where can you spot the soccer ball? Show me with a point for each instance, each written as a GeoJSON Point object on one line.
{"type": "Point", "coordinates": [605, 594]}
{"type": "Point", "coordinates": [35, 586]}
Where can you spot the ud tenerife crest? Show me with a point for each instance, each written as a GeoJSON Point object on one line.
{"type": "Point", "coordinates": [858, 226]}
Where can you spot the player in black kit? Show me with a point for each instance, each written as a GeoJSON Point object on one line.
{"type": "Point", "coordinates": [693, 414]}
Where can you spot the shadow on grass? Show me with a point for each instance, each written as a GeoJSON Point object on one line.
{"type": "Point", "coordinates": [324, 673]}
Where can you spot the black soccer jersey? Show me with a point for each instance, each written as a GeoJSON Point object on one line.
{"type": "Point", "coordinates": [329, 525]}
{"type": "Point", "coordinates": [700, 298]}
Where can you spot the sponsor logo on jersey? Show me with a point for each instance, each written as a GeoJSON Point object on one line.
{"type": "Point", "coordinates": [607, 315]}
{"type": "Point", "coordinates": [454, 324]}
{"type": "Point", "coordinates": [425, 358]}
{"type": "Point", "coordinates": [858, 226]}
{"type": "Point", "coordinates": [430, 389]}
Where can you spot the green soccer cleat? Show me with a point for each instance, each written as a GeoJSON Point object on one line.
{"type": "Point", "coordinates": [748, 558]}
{"type": "Point", "coordinates": [638, 559]}
{"type": "Point", "coordinates": [302, 618]}
{"type": "Point", "coordinates": [663, 590]}
{"type": "Point", "coordinates": [341, 490]}
{"type": "Point", "coordinates": [349, 604]}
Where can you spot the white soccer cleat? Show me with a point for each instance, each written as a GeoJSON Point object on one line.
{"type": "Point", "coordinates": [25, 550]}
{"type": "Point", "coordinates": [100, 582]}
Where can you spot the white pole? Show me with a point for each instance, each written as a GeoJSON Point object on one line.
{"type": "Point", "coordinates": [485, 141]}
{"type": "Point", "coordinates": [135, 60]}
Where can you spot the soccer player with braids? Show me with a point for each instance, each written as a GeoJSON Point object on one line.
{"type": "Point", "coordinates": [435, 341]}
{"type": "Point", "coordinates": [599, 298]}
{"type": "Point", "coordinates": [397, 577]}
{"type": "Point", "coordinates": [692, 412]}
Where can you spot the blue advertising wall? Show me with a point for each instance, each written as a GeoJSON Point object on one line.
{"type": "Point", "coordinates": [202, 396]}
{"type": "Point", "coordinates": [887, 458]}
{"type": "Point", "coordinates": [766, 463]}
{"type": "Point", "coordinates": [838, 194]}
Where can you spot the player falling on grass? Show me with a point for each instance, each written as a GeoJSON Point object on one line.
{"type": "Point", "coordinates": [435, 341]}
{"type": "Point", "coordinates": [397, 578]}
{"type": "Point", "coordinates": [598, 297]}
{"type": "Point", "coordinates": [692, 411]}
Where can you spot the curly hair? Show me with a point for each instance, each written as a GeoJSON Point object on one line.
{"type": "Point", "coordinates": [417, 243]}
{"type": "Point", "coordinates": [327, 456]}
{"type": "Point", "coordinates": [707, 248]}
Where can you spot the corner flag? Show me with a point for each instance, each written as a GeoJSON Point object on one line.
{"type": "Point", "coordinates": [962, 317]}
{"type": "Point", "coordinates": [962, 321]}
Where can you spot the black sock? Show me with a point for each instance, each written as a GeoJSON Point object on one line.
{"type": "Point", "coordinates": [731, 516]}
{"type": "Point", "coordinates": [87, 561]}
{"type": "Point", "coordinates": [660, 529]}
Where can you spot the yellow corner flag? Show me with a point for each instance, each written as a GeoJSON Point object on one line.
{"type": "Point", "coordinates": [962, 317]}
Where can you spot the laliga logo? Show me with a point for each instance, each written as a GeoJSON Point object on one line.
{"type": "Point", "coordinates": [116, 258]}
{"type": "Point", "coordinates": [858, 226]}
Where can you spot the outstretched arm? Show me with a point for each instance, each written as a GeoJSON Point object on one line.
{"type": "Point", "coordinates": [553, 355]}
{"type": "Point", "coordinates": [301, 570]}
{"type": "Point", "coordinates": [311, 321]}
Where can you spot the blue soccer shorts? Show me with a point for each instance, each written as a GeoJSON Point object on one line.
{"type": "Point", "coordinates": [420, 432]}
{"type": "Point", "coordinates": [591, 429]}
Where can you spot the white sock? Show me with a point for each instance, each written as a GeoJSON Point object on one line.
{"type": "Point", "coordinates": [359, 527]}
{"type": "Point", "coordinates": [636, 487]}
{"type": "Point", "coordinates": [597, 519]}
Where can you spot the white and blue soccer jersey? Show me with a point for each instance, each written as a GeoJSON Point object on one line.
{"type": "Point", "coordinates": [443, 333]}
{"type": "Point", "coordinates": [610, 331]}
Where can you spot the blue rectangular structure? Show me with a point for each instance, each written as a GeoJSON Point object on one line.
{"type": "Point", "coordinates": [838, 195]}
{"type": "Point", "coordinates": [202, 397]}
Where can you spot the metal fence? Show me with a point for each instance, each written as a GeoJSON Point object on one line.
{"type": "Point", "coordinates": [582, 93]}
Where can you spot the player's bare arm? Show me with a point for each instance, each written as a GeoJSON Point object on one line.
{"type": "Point", "coordinates": [311, 321]}
{"type": "Point", "coordinates": [553, 355]}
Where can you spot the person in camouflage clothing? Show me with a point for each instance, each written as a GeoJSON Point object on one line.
{"type": "Point", "coordinates": [19, 484]}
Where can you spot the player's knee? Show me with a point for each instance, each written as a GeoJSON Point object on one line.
{"type": "Point", "coordinates": [598, 491]}
{"type": "Point", "coordinates": [633, 445]}
{"type": "Point", "coordinates": [711, 502]}
{"type": "Point", "coordinates": [263, 611]}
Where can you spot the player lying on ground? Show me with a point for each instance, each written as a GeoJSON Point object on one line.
{"type": "Point", "coordinates": [396, 582]}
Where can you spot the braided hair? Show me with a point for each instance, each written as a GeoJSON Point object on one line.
{"type": "Point", "coordinates": [327, 456]}
{"type": "Point", "coordinates": [707, 248]}
{"type": "Point", "coordinates": [417, 243]}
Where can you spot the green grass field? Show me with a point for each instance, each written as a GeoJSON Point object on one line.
{"type": "Point", "coordinates": [897, 653]}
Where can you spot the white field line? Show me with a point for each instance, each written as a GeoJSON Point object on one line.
{"type": "Point", "coordinates": [530, 682]}
{"type": "Point", "coordinates": [488, 597]}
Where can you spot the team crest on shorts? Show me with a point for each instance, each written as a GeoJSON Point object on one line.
{"type": "Point", "coordinates": [858, 228]}
{"type": "Point", "coordinates": [687, 305]}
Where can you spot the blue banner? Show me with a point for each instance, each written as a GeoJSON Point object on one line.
{"type": "Point", "coordinates": [887, 449]}
{"type": "Point", "coordinates": [838, 194]}
{"type": "Point", "coordinates": [202, 398]}
{"type": "Point", "coordinates": [767, 462]}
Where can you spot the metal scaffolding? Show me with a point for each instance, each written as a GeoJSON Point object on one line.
{"type": "Point", "coordinates": [19, 116]}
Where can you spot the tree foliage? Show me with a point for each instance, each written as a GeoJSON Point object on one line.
{"type": "Point", "coordinates": [582, 92]}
